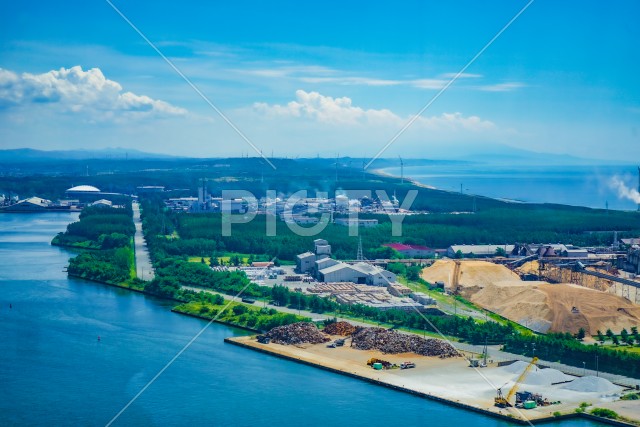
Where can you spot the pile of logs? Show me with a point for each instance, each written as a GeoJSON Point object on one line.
{"type": "Point", "coordinates": [297, 333]}
{"type": "Point", "coordinates": [393, 342]}
{"type": "Point", "coordinates": [340, 328]}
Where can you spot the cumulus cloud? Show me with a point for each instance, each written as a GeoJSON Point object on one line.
{"type": "Point", "coordinates": [341, 111]}
{"type": "Point", "coordinates": [325, 109]}
{"type": "Point", "coordinates": [75, 90]}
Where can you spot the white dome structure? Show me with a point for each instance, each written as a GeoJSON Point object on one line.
{"type": "Point", "coordinates": [83, 189]}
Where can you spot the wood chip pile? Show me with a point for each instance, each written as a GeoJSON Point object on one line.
{"type": "Point", "coordinates": [392, 342]}
{"type": "Point", "coordinates": [340, 328]}
{"type": "Point", "coordinates": [297, 333]}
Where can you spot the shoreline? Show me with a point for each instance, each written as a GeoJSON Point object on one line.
{"type": "Point", "coordinates": [173, 309]}
{"type": "Point", "coordinates": [383, 173]}
{"type": "Point", "coordinates": [316, 356]}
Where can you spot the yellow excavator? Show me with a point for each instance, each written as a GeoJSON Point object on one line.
{"type": "Point", "coordinates": [503, 402]}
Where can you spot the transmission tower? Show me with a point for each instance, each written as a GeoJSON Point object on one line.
{"type": "Point", "coordinates": [359, 256]}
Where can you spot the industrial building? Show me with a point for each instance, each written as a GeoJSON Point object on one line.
{"type": "Point", "coordinates": [356, 222]}
{"type": "Point", "coordinates": [412, 251]}
{"type": "Point", "coordinates": [32, 204]}
{"type": "Point", "coordinates": [102, 203]}
{"type": "Point", "coordinates": [319, 264]}
{"type": "Point", "coordinates": [146, 189]}
{"type": "Point", "coordinates": [84, 194]}
{"type": "Point", "coordinates": [549, 250]}
{"type": "Point", "coordinates": [633, 259]}
{"type": "Point", "coordinates": [306, 262]}
{"type": "Point", "coordinates": [361, 273]}
{"type": "Point", "coordinates": [478, 251]}
{"type": "Point", "coordinates": [82, 190]}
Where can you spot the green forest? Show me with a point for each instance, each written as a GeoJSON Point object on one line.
{"type": "Point", "coordinates": [99, 228]}
{"type": "Point", "coordinates": [201, 235]}
{"type": "Point", "coordinates": [108, 233]}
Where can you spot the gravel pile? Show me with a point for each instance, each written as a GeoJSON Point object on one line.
{"type": "Point", "coordinates": [297, 333]}
{"type": "Point", "coordinates": [392, 342]}
{"type": "Point", "coordinates": [340, 328]}
{"type": "Point", "coordinates": [592, 384]}
{"type": "Point", "coordinates": [538, 376]}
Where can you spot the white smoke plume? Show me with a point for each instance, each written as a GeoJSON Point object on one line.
{"type": "Point", "coordinates": [624, 192]}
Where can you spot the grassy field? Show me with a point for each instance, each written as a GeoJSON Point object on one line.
{"type": "Point", "coordinates": [239, 314]}
{"type": "Point", "coordinates": [635, 349]}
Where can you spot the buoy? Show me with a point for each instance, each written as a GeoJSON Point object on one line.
{"type": "Point", "coordinates": [98, 337]}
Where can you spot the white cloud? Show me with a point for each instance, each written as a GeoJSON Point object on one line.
{"type": "Point", "coordinates": [462, 75]}
{"type": "Point", "coordinates": [341, 111]}
{"type": "Point", "coordinates": [74, 90]}
{"type": "Point", "coordinates": [325, 109]}
{"type": "Point", "coordinates": [429, 83]}
{"type": "Point", "coordinates": [502, 87]}
{"type": "Point", "coordinates": [364, 81]}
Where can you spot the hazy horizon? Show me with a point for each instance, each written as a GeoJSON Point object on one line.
{"type": "Point", "coordinates": [308, 81]}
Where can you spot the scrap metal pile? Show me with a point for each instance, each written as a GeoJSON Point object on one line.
{"type": "Point", "coordinates": [340, 328]}
{"type": "Point", "coordinates": [392, 342]}
{"type": "Point", "coordinates": [297, 333]}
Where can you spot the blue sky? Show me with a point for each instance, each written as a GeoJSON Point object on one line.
{"type": "Point", "coordinates": [302, 78]}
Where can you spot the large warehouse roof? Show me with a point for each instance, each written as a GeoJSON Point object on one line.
{"type": "Point", "coordinates": [83, 189]}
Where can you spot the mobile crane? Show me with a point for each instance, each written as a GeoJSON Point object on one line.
{"type": "Point", "coordinates": [502, 401]}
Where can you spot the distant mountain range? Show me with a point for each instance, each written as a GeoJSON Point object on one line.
{"type": "Point", "coordinates": [20, 155]}
{"type": "Point", "coordinates": [490, 154]}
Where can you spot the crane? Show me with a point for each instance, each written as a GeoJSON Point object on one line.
{"type": "Point", "coordinates": [502, 401]}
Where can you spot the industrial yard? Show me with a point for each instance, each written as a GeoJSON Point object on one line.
{"type": "Point", "coordinates": [447, 377]}
{"type": "Point", "coordinates": [538, 305]}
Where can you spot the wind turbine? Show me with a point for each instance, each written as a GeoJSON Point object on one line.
{"type": "Point", "coordinates": [401, 170]}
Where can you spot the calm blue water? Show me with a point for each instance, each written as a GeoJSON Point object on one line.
{"type": "Point", "coordinates": [54, 372]}
{"type": "Point", "coordinates": [572, 185]}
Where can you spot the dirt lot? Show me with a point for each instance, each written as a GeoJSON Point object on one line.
{"type": "Point", "coordinates": [451, 379]}
{"type": "Point", "coordinates": [540, 306]}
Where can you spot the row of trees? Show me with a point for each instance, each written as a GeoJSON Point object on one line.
{"type": "Point", "coordinates": [625, 337]}
{"type": "Point", "coordinates": [566, 349]}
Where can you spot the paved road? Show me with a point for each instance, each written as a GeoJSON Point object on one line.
{"type": "Point", "coordinates": [144, 269]}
